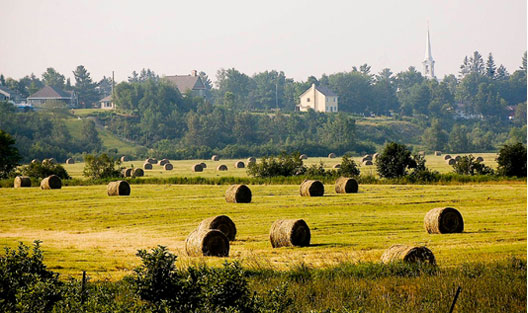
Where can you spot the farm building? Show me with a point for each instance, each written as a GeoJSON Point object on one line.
{"type": "Point", "coordinates": [48, 93]}
{"type": "Point", "coordinates": [319, 99]}
{"type": "Point", "coordinates": [186, 83]}
{"type": "Point", "coordinates": [107, 103]}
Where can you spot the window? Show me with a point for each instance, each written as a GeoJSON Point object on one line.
{"type": "Point", "coordinates": [307, 99]}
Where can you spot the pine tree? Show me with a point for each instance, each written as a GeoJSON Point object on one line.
{"type": "Point", "coordinates": [476, 63]}
{"type": "Point", "coordinates": [502, 73]}
{"type": "Point", "coordinates": [464, 68]}
{"type": "Point", "coordinates": [85, 87]}
{"type": "Point", "coordinates": [491, 69]}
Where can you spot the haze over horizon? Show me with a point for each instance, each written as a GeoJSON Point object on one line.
{"type": "Point", "coordinates": [301, 38]}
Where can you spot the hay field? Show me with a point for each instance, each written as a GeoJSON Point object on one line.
{"type": "Point", "coordinates": [84, 229]}
{"type": "Point", "coordinates": [183, 167]}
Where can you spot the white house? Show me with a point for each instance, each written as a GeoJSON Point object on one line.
{"type": "Point", "coordinates": [107, 103]}
{"type": "Point", "coordinates": [319, 99]}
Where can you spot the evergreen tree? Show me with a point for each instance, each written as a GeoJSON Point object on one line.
{"type": "Point", "coordinates": [85, 87]}
{"type": "Point", "coordinates": [53, 78]}
{"type": "Point", "coordinates": [476, 63]}
{"type": "Point", "coordinates": [9, 156]}
{"type": "Point", "coordinates": [490, 67]}
{"type": "Point", "coordinates": [502, 73]}
{"type": "Point", "coordinates": [434, 137]}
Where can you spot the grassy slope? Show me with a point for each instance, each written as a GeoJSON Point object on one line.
{"type": "Point", "coordinates": [84, 229]}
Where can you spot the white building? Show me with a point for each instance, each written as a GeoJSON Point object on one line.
{"type": "Point", "coordinates": [319, 99]}
{"type": "Point", "coordinates": [428, 62]}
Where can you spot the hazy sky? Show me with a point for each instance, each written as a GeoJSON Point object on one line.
{"type": "Point", "coordinates": [301, 38]}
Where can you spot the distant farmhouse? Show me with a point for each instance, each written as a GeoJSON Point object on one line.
{"type": "Point", "coordinates": [49, 93]}
{"type": "Point", "coordinates": [186, 83]}
{"type": "Point", "coordinates": [107, 103]}
{"type": "Point", "coordinates": [11, 96]}
{"type": "Point", "coordinates": [319, 99]}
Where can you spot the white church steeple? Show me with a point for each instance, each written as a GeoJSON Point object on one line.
{"type": "Point", "coordinates": [428, 63]}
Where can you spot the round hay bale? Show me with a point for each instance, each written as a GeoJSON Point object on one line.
{"type": "Point", "coordinates": [215, 158]}
{"type": "Point", "coordinates": [163, 162]}
{"type": "Point", "coordinates": [118, 188]}
{"type": "Point", "coordinates": [443, 221]}
{"type": "Point", "coordinates": [332, 155]}
{"type": "Point", "coordinates": [152, 161]}
{"type": "Point", "coordinates": [222, 223]}
{"type": "Point", "coordinates": [138, 172]}
{"type": "Point", "coordinates": [46, 162]}
{"type": "Point", "coordinates": [251, 160]}
{"type": "Point", "coordinates": [70, 161]}
{"type": "Point", "coordinates": [127, 172]}
{"type": "Point", "coordinates": [168, 167]}
{"type": "Point", "coordinates": [367, 157]}
{"type": "Point", "coordinates": [451, 161]}
{"type": "Point", "coordinates": [34, 161]}
{"type": "Point", "coordinates": [303, 157]}
{"type": "Point", "coordinates": [367, 163]}
{"type": "Point", "coordinates": [123, 158]}
{"type": "Point", "coordinates": [203, 165]}
{"type": "Point", "coordinates": [437, 153]}
{"type": "Point", "coordinates": [207, 242]}
{"type": "Point", "coordinates": [147, 166]}
{"type": "Point", "coordinates": [375, 156]}
{"type": "Point", "coordinates": [22, 181]}
{"type": "Point", "coordinates": [480, 159]}
{"type": "Point", "coordinates": [221, 167]}
{"type": "Point", "coordinates": [408, 254]}
{"type": "Point", "coordinates": [312, 188]}
{"type": "Point", "coordinates": [238, 194]}
{"type": "Point", "coordinates": [447, 157]}
{"type": "Point", "coordinates": [287, 233]}
{"type": "Point", "coordinates": [197, 167]}
{"type": "Point", "coordinates": [346, 185]}
{"type": "Point", "coordinates": [337, 166]}
{"type": "Point", "coordinates": [52, 160]}
{"type": "Point", "coordinates": [51, 182]}
{"type": "Point", "coordinates": [457, 158]}
{"type": "Point", "coordinates": [239, 164]}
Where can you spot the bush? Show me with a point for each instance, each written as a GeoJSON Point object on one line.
{"type": "Point", "coordinates": [9, 156]}
{"type": "Point", "coordinates": [512, 160]}
{"type": "Point", "coordinates": [348, 167]}
{"type": "Point", "coordinates": [421, 173]}
{"type": "Point", "coordinates": [394, 160]}
{"type": "Point", "coordinates": [25, 283]}
{"type": "Point", "coordinates": [103, 166]}
{"type": "Point", "coordinates": [283, 165]}
{"type": "Point", "coordinates": [468, 165]}
{"type": "Point", "coordinates": [43, 170]}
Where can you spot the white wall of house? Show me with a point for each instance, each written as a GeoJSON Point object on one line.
{"type": "Point", "coordinates": [317, 101]}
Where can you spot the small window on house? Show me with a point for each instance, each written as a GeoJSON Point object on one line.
{"type": "Point", "coordinates": [307, 99]}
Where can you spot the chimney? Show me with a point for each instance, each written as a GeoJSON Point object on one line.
{"type": "Point", "coordinates": [194, 73]}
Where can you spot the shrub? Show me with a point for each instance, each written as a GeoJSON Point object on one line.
{"type": "Point", "coordinates": [512, 160]}
{"type": "Point", "coordinates": [348, 167]}
{"type": "Point", "coordinates": [468, 165]}
{"type": "Point", "coordinates": [43, 170]}
{"type": "Point", "coordinates": [394, 160]}
{"type": "Point", "coordinates": [9, 156]}
{"type": "Point", "coordinates": [421, 173]}
{"type": "Point", "coordinates": [283, 165]}
{"type": "Point", "coordinates": [102, 166]}
{"type": "Point", "coordinates": [317, 170]}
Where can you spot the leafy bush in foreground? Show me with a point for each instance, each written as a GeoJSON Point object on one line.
{"type": "Point", "coordinates": [43, 170]}
{"type": "Point", "coordinates": [512, 160]}
{"type": "Point", "coordinates": [283, 165]}
{"type": "Point", "coordinates": [103, 166]}
{"type": "Point", "coordinates": [468, 165]}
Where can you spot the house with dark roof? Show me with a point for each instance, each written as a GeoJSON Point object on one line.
{"type": "Point", "coordinates": [49, 93]}
{"type": "Point", "coordinates": [319, 99]}
{"type": "Point", "coordinates": [186, 83]}
{"type": "Point", "coordinates": [9, 95]}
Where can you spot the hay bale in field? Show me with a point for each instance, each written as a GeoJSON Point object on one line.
{"type": "Point", "coordinates": [337, 166]}
{"type": "Point", "coordinates": [203, 165]}
{"type": "Point", "coordinates": [118, 188]}
{"type": "Point", "coordinates": [303, 157]}
{"type": "Point", "coordinates": [51, 182]}
{"type": "Point", "coordinates": [480, 159]}
{"type": "Point", "coordinates": [457, 158]}
{"type": "Point", "coordinates": [46, 162]}
{"type": "Point", "coordinates": [152, 161]}
{"type": "Point", "coordinates": [22, 181]}
{"type": "Point", "coordinates": [312, 188]}
{"type": "Point", "coordinates": [52, 160]}
{"type": "Point", "coordinates": [367, 157]}
{"type": "Point", "coordinates": [238, 194]}
{"type": "Point", "coordinates": [123, 158]}
{"type": "Point", "coordinates": [375, 156]}
{"type": "Point", "coordinates": [222, 223]}
{"type": "Point", "coordinates": [207, 242]}
{"type": "Point", "coordinates": [408, 254]}
{"type": "Point", "coordinates": [168, 167]}
{"type": "Point", "coordinates": [438, 153]}
{"type": "Point", "coordinates": [447, 157]}
{"type": "Point", "coordinates": [127, 172]}
{"type": "Point", "coordinates": [197, 167]}
{"type": "Point", "coordinates": [34, 161]}
{"type": "Point", "coordinates": [287, 233]}
{"type": "Point", "coordinates": [346, 185]}
{"type": "Point", "coordinates": [221, 167]}
{"type": "Point", "coordinates": [138, 172]}
{"type": "Point", "coordinates": [163, 162]}
{"type": "Point", "coordinates": [251, 160]}
{"type": "Point", "coordinates": [147, 166]}
{"type": "Point", "coordinates": [443, 221]}
{"type": "Point", "coordinates": [332, 155]}
{"type": "Point", "coordinates": [367, 163]}
{"type": "Point", "coordinates": [451, 161]}
{"type": "Point", "coordinates": [70, 161]}
{"type": "Point", "coordinates": [239, 164]}
{"type": "Point", "coordinates": [215, 158]}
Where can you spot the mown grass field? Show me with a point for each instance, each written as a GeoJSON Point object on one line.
{"type": "Point", "coordinates": [183, 167]}
{"type": "Point", "coordinates": [84, 229]}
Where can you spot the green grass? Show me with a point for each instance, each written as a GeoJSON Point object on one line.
{"type": "Point", "coordinates": [84, 229]}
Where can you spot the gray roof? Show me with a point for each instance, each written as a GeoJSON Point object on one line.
{"type": "Point", "coordinates": [49, 92]}
{"type": "Point", "coordinates": [6, 91]}
{"type": "Point", "coordinates": [326, 91]}
{"type": "Point", "coordinates": [106, 99]}
{"type": "Point", "coordinates": [186, 82]}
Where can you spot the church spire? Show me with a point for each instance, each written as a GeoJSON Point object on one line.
{"type": "Point", "coordinates": [428, 62]}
